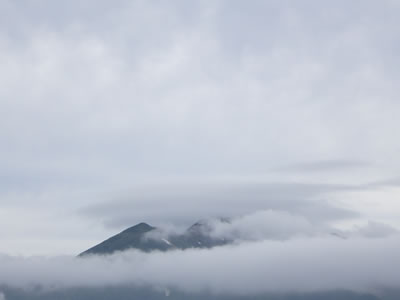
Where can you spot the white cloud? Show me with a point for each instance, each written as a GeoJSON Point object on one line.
{"type": "Point", "coordinates": [303, 264]}
{"type": "Point", "coordinates": [271, 225]}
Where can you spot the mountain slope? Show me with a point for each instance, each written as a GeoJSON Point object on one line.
{"type": "Point", "coordinates": [133, 237]}
{"type": "Point", "coordinates": [137, 237]}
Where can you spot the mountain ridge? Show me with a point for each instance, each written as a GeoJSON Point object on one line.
{"type": "Point", "coordinates": [136, 237]}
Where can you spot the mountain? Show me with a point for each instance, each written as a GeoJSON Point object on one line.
{"type": "Point", "coordinates": [147, 238]}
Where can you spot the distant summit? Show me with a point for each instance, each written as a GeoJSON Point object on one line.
{"type": "Point", "coordinates": [141, 237]}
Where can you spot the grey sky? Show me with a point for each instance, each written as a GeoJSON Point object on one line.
{"type": "Point", "coordinates": [116, 113]}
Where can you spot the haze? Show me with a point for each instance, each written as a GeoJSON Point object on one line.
{"type": "Point", "coordinates": [279, 115]}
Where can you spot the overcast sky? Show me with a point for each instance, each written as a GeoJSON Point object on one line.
{"type": "Point", "coordinates": [114, 113]}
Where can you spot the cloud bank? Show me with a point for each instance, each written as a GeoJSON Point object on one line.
{"type": "Point", "coordinates": [296, 265]}
{"type": "Point", "coordinates": [273, 252]}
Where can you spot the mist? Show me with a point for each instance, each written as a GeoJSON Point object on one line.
{"type": "Point", "coordinates": [294, 265]}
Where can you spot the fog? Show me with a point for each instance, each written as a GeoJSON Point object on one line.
{"type": "Point", "coordinates": [295, 265]}
{"type": "Point", "coordinates": [287, 255]}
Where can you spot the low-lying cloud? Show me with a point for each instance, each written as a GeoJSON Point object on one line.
{"type": "Point", "coordinates": [281, 225]}
{"type": "Point", "coordinates": [274, 225]}
{"type": "Point", "coordinates": [300, 264]}
{"type": "Point", "coordinates": [268, 224]}
{"type": "Point", "coordinates": [273, 252]}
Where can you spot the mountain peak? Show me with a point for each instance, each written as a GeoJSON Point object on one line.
{"type": "Point", "coordinates": [133, 237]}
{"type": "Point", "coordinates": [207, 225]}
{"type": "Point", "coordinates": [141, 227]}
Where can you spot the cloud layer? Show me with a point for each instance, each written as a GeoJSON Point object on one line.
{"type": "Point", "coordinates": [98, 98]}
{"type": "Point", "coordinates": [272, 252]}
{"type": "Point", "coordinates": [301, 264]}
